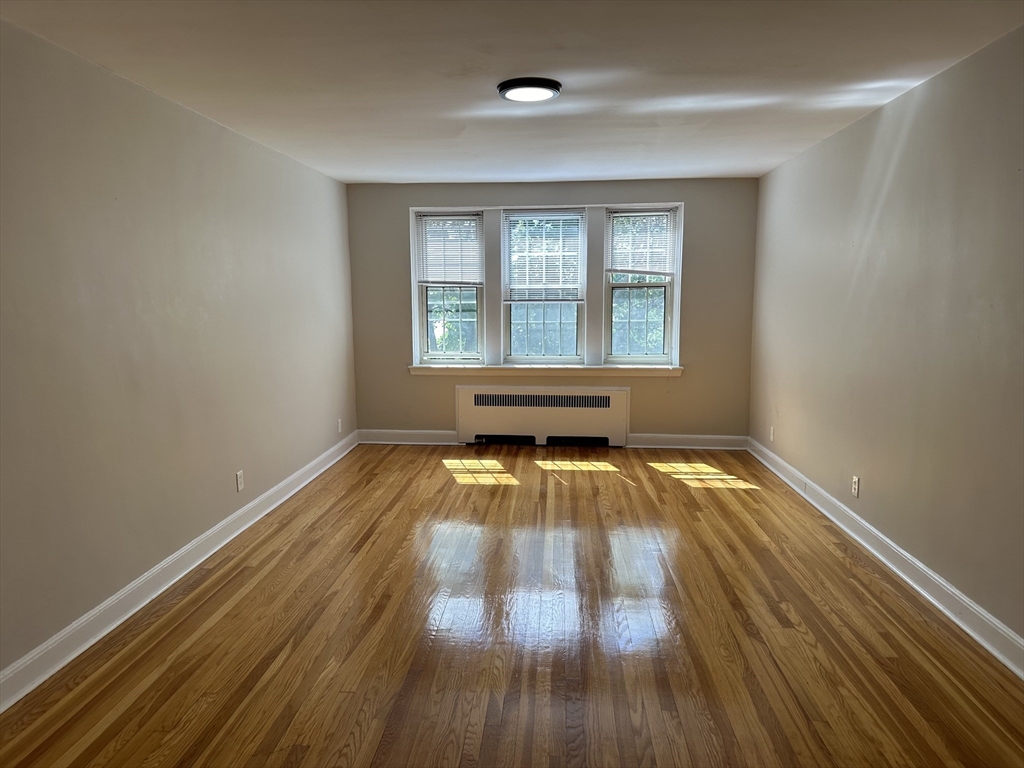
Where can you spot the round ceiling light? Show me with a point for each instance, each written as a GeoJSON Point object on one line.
{"type": "Point", "coordinates": [529, 89]}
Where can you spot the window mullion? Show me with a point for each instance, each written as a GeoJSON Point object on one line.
{"type": "Point", "coordinates": [491, 332]}
{"type": "Point", "coordinates": [594, 310]}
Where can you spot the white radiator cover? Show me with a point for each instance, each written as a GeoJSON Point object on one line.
{"type": "Point", "coordinates": [542, 412]}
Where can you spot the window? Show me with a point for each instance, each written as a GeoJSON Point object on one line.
{"type": "Point", "coordinates": [640, 265]}
{"type": "Point", "coordinates": [521, 287]}
{"type": "Point", "coordinates": [449, 282]}
{"type": "Point", "coordinates": [542, 269]}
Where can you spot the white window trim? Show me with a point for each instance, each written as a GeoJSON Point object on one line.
{"type": "Point", "coordinates": [581, 307]}
{"type": "Point", "coordinates": [673, 319]}
{"type": "Point", "coordinates": [594, 345]}
{"type": "Point", "coordinates": [419, 303]}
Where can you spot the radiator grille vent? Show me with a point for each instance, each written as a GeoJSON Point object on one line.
{"type": "Point", "coordinates": [543, 401]}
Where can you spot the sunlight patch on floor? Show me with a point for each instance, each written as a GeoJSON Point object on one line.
{"type": "Point", "coordinates": [698, 475]}
{"type": "Point", "coordinates": [582, 466]}
{"type": "Point", "coordinates": [479, 472]}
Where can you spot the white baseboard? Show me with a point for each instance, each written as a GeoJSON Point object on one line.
{"type": "Point", "coordinates": [715, 442]}
{"type": "Point", "coordinates": [444, 437]}
{"type": "Point", "coordinates": [408, 436]}
{"type": "Point", "coordinates": [1005, 644]}
{"type": "Point", "coordinates": [17, 679]}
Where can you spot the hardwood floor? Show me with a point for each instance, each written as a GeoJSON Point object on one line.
{"type": "Point", "coordinates": [488, 611]}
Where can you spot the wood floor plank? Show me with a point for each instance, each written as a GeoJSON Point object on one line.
{"type": "Point", "coordinates": [618, 607]}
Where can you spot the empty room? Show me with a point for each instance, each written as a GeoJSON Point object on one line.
{"type": "Point", "coordinates": [503, 383]}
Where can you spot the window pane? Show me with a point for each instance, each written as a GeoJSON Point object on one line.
{"type": "Point", "coordinates": [519, 338]}
{"type": "Point", "coordinates": [638, 304]}
{"type": "Point", "coordinates": [549, 328]}
{"type": "Point", "coordinates": [568, 338]}
{"type": "Point", "coordinates": [535, 339]}
{"type": "Point", "coordinates": [637, 337]}
{"type": "Point", "coordinates": [655, 338]}
{"type": "Point", "coordinates": [451, 321]}
{"type": "Point", "coordinates": [656, 305]}
{"type": "Point", "coordinates": [435, 315]}
{"type": "Point", "coordinates": [552, 338]}
{"type": "Point", "coordinates": [656, 321]}
{"type": "Point", "coordinates": [620, 304]}
{"type": "Point", "coordinates": [619, 331]}
{"type": "Point", "coordinates": [638, 320]}
{"type": "Point", "coordinates": [468, 336]}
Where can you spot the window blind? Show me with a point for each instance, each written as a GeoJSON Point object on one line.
{"type": "Point", "coordinates": [449, 249]}
{"type": "Point", "coordinates": [641, 242]}
{"type": "Point", "coordinates": [542, 253]}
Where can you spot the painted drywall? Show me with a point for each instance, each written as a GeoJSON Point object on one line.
{"type": "Point", "coordinates": [710, 398]}
{"type": "Point", "coordinates": [889, 322]}
{"type": "Point", "coordinates": [406, 91]}
{"type": "Point", "coordinates": [174, 307]}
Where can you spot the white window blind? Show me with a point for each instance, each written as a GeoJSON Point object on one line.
{"type": "Point", "coordinates": [641, 242]}
{"type": "Point", "coordinates": [542, 253]}
{"type": "Point", "coordinates": [449, 249]}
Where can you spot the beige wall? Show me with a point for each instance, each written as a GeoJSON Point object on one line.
{"type": "Point", "coordinates": [710, 398]}
{"type": "Point", "coordinates": [889, 322]}
{"type": "Point", "coordinates": [174, 306]}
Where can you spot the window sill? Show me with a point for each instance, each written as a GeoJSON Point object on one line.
{"type": "Point", "coordinates": [631, 371]}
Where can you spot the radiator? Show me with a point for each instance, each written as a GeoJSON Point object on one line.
{"type": "Point", "coordinates": [542, 412]}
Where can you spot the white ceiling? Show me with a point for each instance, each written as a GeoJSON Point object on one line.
{"type": "Point", "coordinates": [406, 91]}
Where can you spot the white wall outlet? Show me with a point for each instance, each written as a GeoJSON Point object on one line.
{"type": "Point", "coordinates": [855, 487]}
{"type": "Point", "coordinates": [771, 434]}
{"type": "Point", "coordinates": [239, 481]}
{"type": "Point", "coordinates": [339, 426]}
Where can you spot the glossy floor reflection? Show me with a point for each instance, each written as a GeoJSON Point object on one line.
{"type": "Point", "coordinates": [553, 609]}
{"type": "Point", "coordinates": [422, 606]}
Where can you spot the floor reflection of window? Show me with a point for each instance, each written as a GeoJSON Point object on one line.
{"type": "Point", "coordinates": [533, 592]}
{"type": "Point", "coordinates": [479, 472]}
{"type": "Point", "coordinates": [698, 475]}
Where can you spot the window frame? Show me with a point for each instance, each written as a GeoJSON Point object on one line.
{"type": "Point", "coordinates": [507, 357]}
{"type": "Point", "coordinates": [420, 321]}
{"type": "Point", "coordinates": [593, 315]}
{"type": "Point", "coordinates": [672, 285]}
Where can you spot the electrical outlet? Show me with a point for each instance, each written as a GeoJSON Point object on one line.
{"type": "Point", "coordinates": [339, 426]}
{"type": "Point", "coordinates": [855, 487]}
{"type": "Point", "coordinates": [771, 434]}
{"type": "Point", "coordinates": [239, 481]}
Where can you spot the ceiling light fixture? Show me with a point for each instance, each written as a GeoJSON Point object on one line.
{"type": "Point", "coordinates": [529, 89]}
